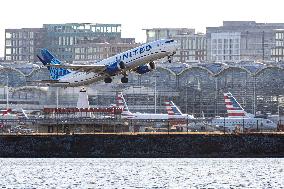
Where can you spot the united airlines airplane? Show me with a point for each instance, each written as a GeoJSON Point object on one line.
{"type": "Point", "coordinates": [140, 60]}
{"type": "Point", "coordinates": [238, 117]}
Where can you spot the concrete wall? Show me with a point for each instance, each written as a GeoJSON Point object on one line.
{"type": "Point", "coordinates": [247, 145]}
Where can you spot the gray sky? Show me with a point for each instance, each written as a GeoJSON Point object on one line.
{"type": "Point", "coordinates": [135, 15]}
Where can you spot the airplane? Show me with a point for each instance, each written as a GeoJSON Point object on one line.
{"type": "Point", "coordinates": [175, 113]}
{"type": "Point", "coordinates": [13, 114]}
{"type": "Point", "coordinates": [140, 60]}
{"type": "Point", "coordinates": [5, 111]}
{"type": "Point", "coordinates": [126, 114]}
{"type": "Point", "coordinates": [186, 121]}
{"type": "Point", "coordinates": [121, 103]}
{"type": "Point", "coordinates": [238, 117]}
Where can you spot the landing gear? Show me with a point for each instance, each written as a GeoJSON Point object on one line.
{"type": "Point", "coordinates": [170, 59]}
{"type": "Point", "coordinates": [124, 80]}
{"type": "Point", "coordinates": [108, 80]}
{"type": "Point", "coordinates": [152, 65]}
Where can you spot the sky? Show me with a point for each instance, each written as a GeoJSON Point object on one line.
{"type": "Point", "coordinates": [135, 15]}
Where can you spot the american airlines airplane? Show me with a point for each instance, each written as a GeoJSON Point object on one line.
{"type": "Point", "coordinates": [238, 117]}
{"type": "Point", "coordinates": [140, 60]}
{"type": "Point", "coordinates": [171, 107]}
{"type": "Point", "coordinates": [175, 113]}
{"type": "Point", "coordinates": [13, 114]}
{"type": "Point", "coordinates": [126, 114]}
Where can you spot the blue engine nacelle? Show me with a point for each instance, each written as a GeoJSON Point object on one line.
{"type": "Point", "coordinates": [115, 67]}
{"type": "Point", "coordinates": [145, 68]}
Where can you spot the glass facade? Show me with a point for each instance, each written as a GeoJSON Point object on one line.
{"type": "Point", "coordinates": [196, 88]}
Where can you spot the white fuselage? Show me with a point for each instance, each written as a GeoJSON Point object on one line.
{"type": "Point", "coordinates": [247, 122]}
{"type": "Point", "coordinates": [145, 116]}
{"type": "Point", "coordinates": [132, 59]}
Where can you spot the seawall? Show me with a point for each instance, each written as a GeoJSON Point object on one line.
{"type": "Point", "coordinates": [143, 146]}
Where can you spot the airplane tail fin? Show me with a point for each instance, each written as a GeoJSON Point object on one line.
{"type": "Point", "coordinates": [6, 112]}
{"type": "Point", "coordinates": [48, 58]}
{"type": "Point", "coordinates": [234, 109]}
{"type": "Point", "coordinates": [172, 109]}
{"type": "Point", "coordinates": [121, 103]}
{"type": "Point", "coordinates": [23, 114]}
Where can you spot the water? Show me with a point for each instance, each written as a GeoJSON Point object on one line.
{"type": "Point", "coordinates": [141, 173]}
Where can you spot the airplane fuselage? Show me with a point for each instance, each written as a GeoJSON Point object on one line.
{"type": "Point", "coordinates": [145, 116]}
{"type": "Point", "coordinates": [132, 59]}
{"type": "Point", "coordinates": [247, 122]}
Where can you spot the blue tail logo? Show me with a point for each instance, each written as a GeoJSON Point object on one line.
{"type": "Point", "coordinates": [48, 58]}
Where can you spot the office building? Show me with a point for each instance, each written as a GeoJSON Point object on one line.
{"type": "Point", "coordinates": [241, 40]}
{"type": "Point", "coordinates": [192, 46]}
{"type": "Point", "coordinates": [23, 44]}
{"type": "Point", "coordinates": [277, 52]}
{"type": "Point", "coordinates": [69, 42]}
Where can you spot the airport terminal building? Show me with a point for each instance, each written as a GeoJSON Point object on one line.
{"type": "Point", "coordinates": [196, 88]}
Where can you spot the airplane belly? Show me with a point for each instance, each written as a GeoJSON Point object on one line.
{"type": "Point", "coordinates": [82, 79]}
{"type": "Point", "coordinates": [145, 60]}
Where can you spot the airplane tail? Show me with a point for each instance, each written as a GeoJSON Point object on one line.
{"type": "Point", "coordinates": [48, 58]}
{"type": "Point", "coordinates": [172, 109]}
{"type": "Point", "coordinates": [120, 103]}
{"type": "Point", "coordinates": [234, 109]}
{"type": "Point", "coordinates": [23, 114]}
{"type": "Point", "coordinates": [6, 112]}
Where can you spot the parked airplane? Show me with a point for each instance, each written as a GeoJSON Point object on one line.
{"type": "Point", "coordinates": [126, 114]}
{"type": "Point", "coordinates": [237, 116]}
{"type": "Point", "coordinates": [5, 111]}
{"type": "Point", "coordinates": [139, 60]}
{"type": "Point", "coordinates": [186, 121]}
{"type": "Point", "coordinates": [175, 113]}
{"type": "Point", "coordinates": [13, 114]}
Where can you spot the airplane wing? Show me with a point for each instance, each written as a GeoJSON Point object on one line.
{"type": "Point", "coordinates": [47, 82]}
{"type": "Point", "coordinates": [43, 81]}
{"type": "Point", "coordinates": [80, 68]}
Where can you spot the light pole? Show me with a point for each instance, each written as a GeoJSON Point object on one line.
{"type": "Point", "coordinates": [187, 123]}
{"type": "Point", "coordinates": [155, 94]}
{"type": "Point", "coordinates": [7, 93]}
{"type": "Point", "coordinates": [254, 96]}
{"type": "Point", "coordinates": [57, 101]}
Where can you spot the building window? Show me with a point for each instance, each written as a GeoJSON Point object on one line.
{"type": "Point", "coordinates": [8, 35]}
{"type": "Point", "coordinates": [8, 42]}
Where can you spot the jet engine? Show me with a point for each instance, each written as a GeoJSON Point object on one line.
{"type": "Point", "coordinates": [145, 68]}
{"type": "Point", "coordinates": [115, 67]}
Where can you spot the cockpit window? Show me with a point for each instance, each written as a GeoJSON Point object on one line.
{"type": "Point", "coordinates": [169, 41]}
